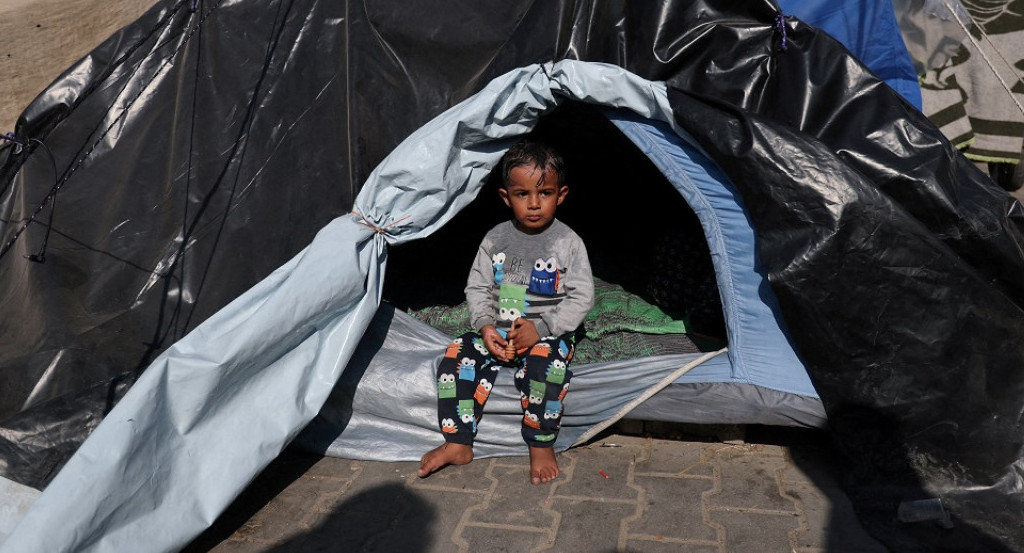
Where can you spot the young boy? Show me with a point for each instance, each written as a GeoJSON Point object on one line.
{"type": "Point", "coordinates": [528, 291]}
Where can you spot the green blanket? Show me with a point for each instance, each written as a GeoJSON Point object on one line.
{"type": "Point", "coordinates": [616, 310]}
{"type": "Point", "coordinates": [620, 326]}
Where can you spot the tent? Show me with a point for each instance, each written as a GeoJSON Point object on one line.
{"type": "Point", "coordinates": [419, 187]}
{"type": "Point", "coordinates": [857, 213]}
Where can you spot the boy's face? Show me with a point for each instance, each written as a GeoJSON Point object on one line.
{"type": "Point", "coordinates": [533, 205]}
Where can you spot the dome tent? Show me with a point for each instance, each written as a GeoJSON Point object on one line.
{"type": "Point", "coordinates": [758, 379]}
{"type": "Point", "coordinates": [982, 245]}
{"type": "Point", "coordinates": [207, 396]}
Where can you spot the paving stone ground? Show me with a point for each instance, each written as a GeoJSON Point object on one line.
{"type": "Point", "coordinates": [621, 493]}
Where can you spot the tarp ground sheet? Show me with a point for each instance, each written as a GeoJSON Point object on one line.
{"type": "Point", "coordinates": [898, 265]}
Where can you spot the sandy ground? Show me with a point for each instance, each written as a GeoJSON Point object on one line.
{"type": "Point", "coordinates": [39, 39]}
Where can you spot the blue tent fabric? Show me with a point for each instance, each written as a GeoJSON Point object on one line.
{"type": "Point", "coordinates": [868, 28]}
{"type": "Point", "coordinates": [760, 348]}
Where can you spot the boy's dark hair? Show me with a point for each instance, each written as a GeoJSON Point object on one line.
{"type": "Point", "coordinates": [533, 153]}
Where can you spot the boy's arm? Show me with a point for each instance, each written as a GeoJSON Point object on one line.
{"type": "Point", "coordinates": [479, 289]}
{"type": "Point", "coordinates": [579, 294]}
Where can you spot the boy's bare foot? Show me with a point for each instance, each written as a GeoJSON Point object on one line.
{"type": "Point", "coordinates": [543, 465]}
{"type": "Point", "coordinates": [444, 455]}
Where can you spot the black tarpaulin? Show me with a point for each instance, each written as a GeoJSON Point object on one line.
{"type": "Point", "coordinates": [899, 264]}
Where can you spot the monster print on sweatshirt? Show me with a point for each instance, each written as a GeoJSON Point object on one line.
{"type": "Point", "coordinates": [545, 278]}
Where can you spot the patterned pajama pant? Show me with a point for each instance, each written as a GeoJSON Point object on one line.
{"type": "Point", "coordinates": [466, 374]}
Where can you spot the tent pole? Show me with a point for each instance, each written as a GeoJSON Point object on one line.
{"type": "Point", "coordinates": [676, 374]}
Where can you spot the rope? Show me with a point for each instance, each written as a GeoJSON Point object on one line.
{"type": "Point", "coordinates": [11, 138]}
{"type": "Point", "coordinates": [379, 230]}
{"type": "Point", "coordinates": [780, 26]}
{"type": "Point", "coordinates": [676, 374]}
{"type": "Point", "coordinates": [50, 199]}
{"type": "Point", "coordinates": [984, 56]}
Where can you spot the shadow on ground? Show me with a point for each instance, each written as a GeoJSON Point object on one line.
{"type": "Point", "coordinates": [388, 517]}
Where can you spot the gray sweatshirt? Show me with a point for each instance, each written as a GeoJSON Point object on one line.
{"type": "Point", "coordinates": [544, 278]}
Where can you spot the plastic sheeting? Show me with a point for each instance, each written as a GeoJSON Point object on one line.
{"type": "Point", "coordinates": [869, 29]}
{"type": "Point", "coordinates": [187, 142]}
{"type": "Point", "coordinates": [203, 146]}
{"type": "Point", "coordinates": [902, 265]}
{"type": "Point", "coordinates": [898, 266]}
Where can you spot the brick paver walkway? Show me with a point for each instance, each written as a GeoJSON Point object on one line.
{"type": "Point", "coordinates": [619, 494]}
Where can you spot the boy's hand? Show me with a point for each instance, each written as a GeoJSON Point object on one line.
{"type": "Point", "coordinates": [524, 334]}
{"type": "Point", "coordinates": [494, 342]}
